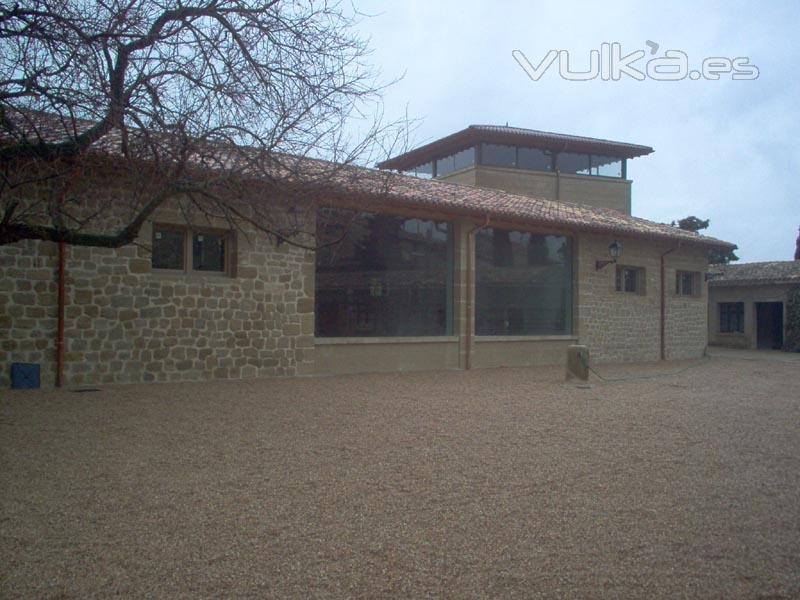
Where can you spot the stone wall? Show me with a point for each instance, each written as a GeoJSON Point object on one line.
{"type": "Point", "coordinates": [126, 323]}
{"type": "Point", "coordinates": [686, 326]}
{"type": "Point", "coordinates": [625, 326]}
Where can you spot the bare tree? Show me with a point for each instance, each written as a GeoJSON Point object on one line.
{"type": "Point", "coordinates": [203, 102]}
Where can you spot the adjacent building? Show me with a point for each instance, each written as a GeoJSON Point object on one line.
{"type": "Point", "coordinates": [495, 246]}
{"type": "Point", "coordinates": [748, 303]}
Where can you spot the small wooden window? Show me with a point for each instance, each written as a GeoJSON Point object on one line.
{"type": "Point", "coordinates": [687, 283]}
{"type": "Point", "coordinates": [187, 250]}
{"type": "Point", "coordinates": [169, 248]}
{"type": "Point", "coordinates": [630, 279]}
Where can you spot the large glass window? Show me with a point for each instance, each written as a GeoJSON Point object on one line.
{"type": "Point", "coordinates": [496, 155]}
{"type": "Point", "coordinates": [606, 166]}
{"type": "Point", "coordinates": [574, 163]}
{"type": "Point", "coordinates": [424, 171]}
{"type": "Point", "coordinates": [523, 283]}
{"type": "Point", "coordinates": [455, 162]}
{"type": "Point", "coordinates": [386, 276]}
{"type": "Point", "coordinates": [534, 159]}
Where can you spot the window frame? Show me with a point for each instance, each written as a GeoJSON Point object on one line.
{"type": "Point", "coordinates": [369, 320]}
{"type": "Point", "coordinates": [696, 290]}
{"type": "Point", "coordinates": [230, 259]}
{"type": "Point", "coordinates": [739, 316]}
{"type": "Point", "coordinates": [514, 310]}
{"type": "Point", "coordinates": [641, 280]}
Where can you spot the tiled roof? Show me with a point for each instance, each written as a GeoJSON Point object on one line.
{"type": "Point", "coordinates": [757, 273]}
{"type": "Point", "coordinates": [546, 140]}
{"type": "Point", "coordinates": [373, 186]}
{"type": "Point", "coordinates": [465, 200]}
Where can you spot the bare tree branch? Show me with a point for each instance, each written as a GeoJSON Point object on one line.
{"type": "Point", "coordinates": [178, 99]}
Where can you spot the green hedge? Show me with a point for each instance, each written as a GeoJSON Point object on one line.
{"type": "Point", "coordinates": [792, 341]}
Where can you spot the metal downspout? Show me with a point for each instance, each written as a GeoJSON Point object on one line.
{"type": "Point", "coordinates": [470, 291]}
{"type": "Point", "coordinates": [62, 261]}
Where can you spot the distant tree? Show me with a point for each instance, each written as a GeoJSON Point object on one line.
{"type": "Point", "coordinates": [792, 341]}
{"type": "Point", "coordinates": [181, 100]}
{"type": "Point", "coordinates": [691, 223]}
{"type": "Point", "coordinates": [797, 246]}
{"type": "Point", "coordinates": [715, 257]}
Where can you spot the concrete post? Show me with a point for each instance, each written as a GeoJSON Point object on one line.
{"type": "Point", "coordinates": [577, 363]}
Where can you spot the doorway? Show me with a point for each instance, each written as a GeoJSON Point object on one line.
{"type": "Point", "coordinates": [769, 325]}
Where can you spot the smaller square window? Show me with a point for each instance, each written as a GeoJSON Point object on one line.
{"type": "Point", "coordinates": [178, 248]}
{"type": "Point", "coordinates": [208, 252]}
{"type": "Point", "coordinates": [687, 283]}
{"type": "Point", "coordinates": [169, 245]}
{"type": "Point", "coordinates": [629, 279]}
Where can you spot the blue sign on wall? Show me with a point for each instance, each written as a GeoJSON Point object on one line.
{"type": "Point", "coordinates": [25, 376]}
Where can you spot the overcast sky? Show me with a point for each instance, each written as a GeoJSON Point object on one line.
{"type": "Point", "coordinates": [724, 150]}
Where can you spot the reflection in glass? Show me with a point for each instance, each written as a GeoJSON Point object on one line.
{"type": "Point", "coordinates": [523, 283]}
{"type": "Point", "coordinates": [388, 276]}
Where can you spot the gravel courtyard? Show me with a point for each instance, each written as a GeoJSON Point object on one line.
{"type": "Point", "coordinates": [502, 483]}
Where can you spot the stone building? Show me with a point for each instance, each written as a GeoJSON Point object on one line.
{"type": "Point", "coordinates": [747, 305]}
{"type": "Point", "coordinates": [506, 247]}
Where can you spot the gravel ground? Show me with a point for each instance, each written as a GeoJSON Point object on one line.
{"type": "Point", "coordinates": [502, 483]}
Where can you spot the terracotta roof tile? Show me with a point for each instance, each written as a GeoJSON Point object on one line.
{"type": "Point", "coordinates": [757, 273]}
{"type": "Point", "coordinates": [466, 200]}
{"type": "Point", "coordinates": [440, 196]}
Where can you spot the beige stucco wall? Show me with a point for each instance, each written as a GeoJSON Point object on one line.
{"type": "Point", "coordinates": [582, 189]}
{"type": "Point", "coordinates": [749, 295]}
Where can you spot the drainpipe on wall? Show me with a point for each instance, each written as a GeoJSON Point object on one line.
{"type": "Point", "coordinates": [470, 291]}
{"type": "Point", "coordinates": [664, 302]}
{"type": "Point", "coordinates": [62, 261]}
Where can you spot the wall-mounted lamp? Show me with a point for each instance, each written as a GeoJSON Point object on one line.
{"type": "Point", "coordinates": [294, 216]}
{"type": "Point", "coordinates": [615, 249]}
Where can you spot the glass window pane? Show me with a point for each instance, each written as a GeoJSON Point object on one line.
{"type": "Point", "coordinates": [523, 283]}
{"type": "Point", "coordinates": [168, 248]}
{"type": "Point", "coordinates": [574, 163]}
{"type": "Point", "coordinates": [731, 317]}
{"type": "Point", "coordinates": [454, 162]}
{"type": "Point", "coordinates": [535, 159]}
{"type": "Point", "coordinates": [629, 279]}
{"type": "Point", "coordinates": [389, 276]}
{"type": "Point", "coordinates": [464, 159]}
{"type": "Point", "coordinates": [424, 171]}
{"type": "Point", "coordinates": [606, 166]}
{"type": "Point", "coordinates": [496, 155]}
{"type": "Point", "coordinates": [444, 165]}
{"type": "Point", "coordinates": [208, 252]}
